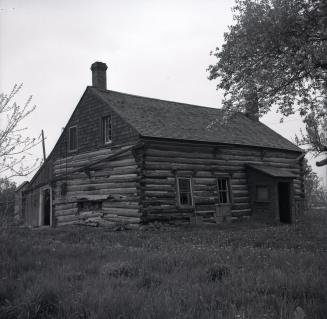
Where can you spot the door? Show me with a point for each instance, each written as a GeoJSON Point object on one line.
{"type": "Point", "coordinates": [45, 207]}
{"type": "Point", "coordinates": [284, 202]}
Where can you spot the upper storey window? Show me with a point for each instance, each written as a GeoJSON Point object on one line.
{"type": "Point", "coordinates": [106, 129]}
{"type": "Point", "coordinates": [72, 138]}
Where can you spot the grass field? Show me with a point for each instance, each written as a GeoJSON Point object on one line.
{"type": "Point", "coordinates": [242, 270]}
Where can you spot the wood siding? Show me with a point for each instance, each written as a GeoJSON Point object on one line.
{"type": "Point", "coordinates": [87, 117]}
{"type": "Point", "coordinates": [163, 162]}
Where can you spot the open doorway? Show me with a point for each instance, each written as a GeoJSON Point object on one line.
{"type": "Point", "coordinates": [284, 202]}
{"type": "Point", "coordinates": [45, 218]}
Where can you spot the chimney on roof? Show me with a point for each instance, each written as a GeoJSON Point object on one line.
{"type": "Point", "coordinates": [251, 102]}
{"type": "Point", "coordinates": [99, 75]}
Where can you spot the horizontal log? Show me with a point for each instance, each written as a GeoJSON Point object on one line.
{"type": "Point", "coordinates": [222, 160]}
{"type": "Point", "coordinates": [123, 204]}
{"type": "Point", "coordinates": [67, 218]}
{"type": "Point", "coordinates": [87, 181]}
{"type": "Point", "coordinates": [101, 186]}
{"type": "Point", "coordinates": [123, 219]}
{"type": "Point", "coordinates": [167, 216]}
{"type": "Point", "coordinates": [147, 173]}
{"type": "Point", "coordinates": [81, 156]}
{"type": "Point", "coordinates": [113, 178]}
{"type": "Point", "coordinates": [129, 169]}
{"type": "Point", "coordinates": [190, 167]}
{"type": "Point", "coordinates": [111, 197]}
{"type": "Point", "coordinates": [116, 162]}
{"type": "Point", "coordinates": [93, 155]}
{"type": "Point", "coordinates": [240, 193]}
{"type": "Point", "coordinates": [159, 194]}
{"type": "Point", "coordinates": [204, 152]}
{"type": "Point", "coordinates": [65, 212]}
{"type": "Point", "coordinates": [89, 214]}
{"type": "Point", "coordinates": [241, 199]}
{"type": "Point", "coordinates": [64, 206]}
{"type": "Point", "coordinates": [238, 181]}
{"type": "Point", "coordinates": [237, 187]}
{"type": "Point", "coordinates": [240, 206]}
{"type": "Point", "coordinates": [162, 207]}
{"type": "Point", "coordinates": [66, 223]}
{"type": "Point", "coordinates": [122, 191]}
{"type": "Point", "coordinates": [240, 212]}
{"type": "Point", "coordinates": [158, 202]}
{"type": "Point", "coordinates": [133, 169]}
{"type": "Point", "coordinates": [130, 212]}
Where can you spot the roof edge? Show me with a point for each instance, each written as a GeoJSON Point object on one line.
{"type": "Point", "coordinates": [220, 143]}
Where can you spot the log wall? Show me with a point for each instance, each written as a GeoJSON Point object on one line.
{"type": "Point", "coordinates": [106, 193]}
{"type": "Point", "coordinates": [162, 162]}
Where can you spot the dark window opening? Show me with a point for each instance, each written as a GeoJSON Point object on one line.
{"type": "Point", "coordinates": [223, 190]}
{"type": "Point", "coordinates": [73, 138]}
{"type": "Point", "coordinates": [107, 129]}
{"type": "Point", "coordinates": [89, 206]}
{"type": "Point", "coordinates": [262, 193]}
{"type": "Point", "coordinates": [184, 191]}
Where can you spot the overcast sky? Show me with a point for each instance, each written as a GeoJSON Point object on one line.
{"type": "Point", "coordinates": [152, 48]}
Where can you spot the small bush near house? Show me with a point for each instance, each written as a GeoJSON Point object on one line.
{"type": "Point", "coordinates": [242, 270]}
{"type": "Point", "coordinates": [7, 201]}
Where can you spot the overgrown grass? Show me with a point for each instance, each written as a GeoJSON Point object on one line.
{"type": "Point", "coordinates": [244, 270]}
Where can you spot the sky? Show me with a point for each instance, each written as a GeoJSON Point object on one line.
{"type": "Point", "coordinates": [155, 48]}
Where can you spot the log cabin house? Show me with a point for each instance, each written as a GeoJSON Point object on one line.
{"type": "Point", "coordinates": [130, 159]}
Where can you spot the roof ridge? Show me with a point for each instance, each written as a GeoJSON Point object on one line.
{"type": "Point", "coordinates": [156, 99]}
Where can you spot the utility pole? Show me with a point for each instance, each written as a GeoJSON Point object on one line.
{"type": "Point", "coordinates": [43, 145]}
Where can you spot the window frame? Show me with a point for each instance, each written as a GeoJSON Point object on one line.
{"type": "Point", "coordinates": [103, 129]}
{"type": "Point", "coordinates": [228, 190]}
{"type": "Point", "coordinates": [179, 192]}
{"type": "Point", "coordinates": [69, 140]}
{"type": "Point", "coordinates": [268, 193]}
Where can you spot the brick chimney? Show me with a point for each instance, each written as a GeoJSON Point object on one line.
{"type": "Point", "coordinates": [99, 75]}
{"type": "Point", "coordinates": [251, 103]}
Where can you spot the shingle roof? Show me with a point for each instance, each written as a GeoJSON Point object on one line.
{"type": "Point", "coordinates": [273, 171]}
{"type": "Point", "coordinates": [173, 120]}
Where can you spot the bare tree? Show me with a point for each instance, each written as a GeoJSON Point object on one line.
{"type": "Point", "coordinates": [14, 145]}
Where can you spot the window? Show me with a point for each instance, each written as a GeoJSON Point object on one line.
{"type": "Point", "coordinates": [262, 193]}
{"type": "Point", "coordinates": [223, 190]}
{"type": "Point", "coordinates": [89, 206]}
{"type": "Point", "coordinates": [73, 138]}
{"type": "Point", "coordinates": [106, 129]}
{"type": "Point", "coordinates": [184, 191]}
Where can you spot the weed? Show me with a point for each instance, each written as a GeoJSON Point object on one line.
{"type": "Point", "coordinates": [242, 270]}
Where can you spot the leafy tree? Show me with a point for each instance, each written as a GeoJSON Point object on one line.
{"type": "Point", "coordinates": [277, 52]}
{"type": "Point", "coordinates": [314, 192]}
{"type": "Point", "coordinates": [13, 144]}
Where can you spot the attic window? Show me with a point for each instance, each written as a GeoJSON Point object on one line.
{"type": "Point", "coordinates": [73, 138]}
{"type": "Point", "coordinates": [106, 129]}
